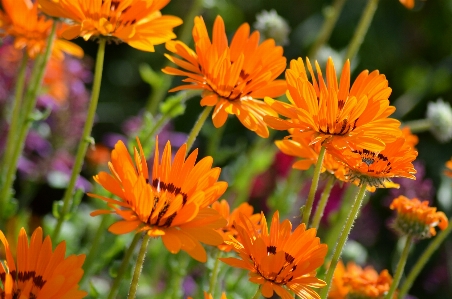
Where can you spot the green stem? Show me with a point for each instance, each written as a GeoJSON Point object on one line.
{"type": "Point", "coordinates": [400, 267]}
{"type": "Point", "coordinates": [138, 267]}
{"type": "Point", "coordinates": [214, 274]}
{"type": "Point", "coordinates": [331, 15]}
{"type": "Point", "coordinates": [258, 293]}
{"type": "Point", "coordinates": [123, 267]}
{"type": "Point", "coordinates": [323, 200]}
{"type": "Point", "coordinates": [26, 112]}
{"type": "Point", "coordinates": [362, 28]}
{"type": "Point", "coordinates": [215, 140]}
{"type": "Point", "coordinates": [420, 263]}
{"type": "Point", "coordinates": [315, 182]}
{"type": "Point", "coordinates": [418, 126]}
{"type": "Point", "coordinates": [85, 140]}
{"type": "Point", "coordinates": [343, 239]}
{"type": "Point", "coordinates": [198, 125]}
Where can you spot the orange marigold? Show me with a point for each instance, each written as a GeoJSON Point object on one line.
{"type": "Point", "coordinates": [138, 23]}
{"type": "Point", "coordinates": [229, 230]}
{"type": "Point", "coordinates": [232, 77]}
{"type": "Point", "coordinates": [173, 203]}
{"type": "Point", "coordinates": [448, 171]}
{"type": "Point", "coordinates": [280, 259]}
{"type": "Point", "coordinates": [39, 272]}
{"type": "Point", "coordinates": [416, 218]}
{"type": "Point", "coordinates": [355, 282]}
{"type": "Point", "coordinates": [334, 114]}
{"type": "Point", "coordinates": [30, 29]}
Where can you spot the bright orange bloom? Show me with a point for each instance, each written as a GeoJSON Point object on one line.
{"type": "Point", "coordinates": [410, 139]}
{"type": "Point", "coordinates": [232, 77]}
{"type": "Point", "coordinates": [355, 282]}
{"type": "Point", "coordinates": [173, 203]}
{"type": "Point", "coordinates": [281, 258]}
{"type": "Point", "coordinates": [38, 272]}
{"type": "Point", "coordinates": [229, 230]}
{"type": "Point", "coordinates": [416, 218]}
{"type": "Point", "coordinates": [333, 114]}
{"type": "Point", "coordinates": [448, 171]}
{"type": "Point", "coordinates": [31, 29]}
{"type": "Point", "coordinates": [408, 3]}
{"type": "Point", "coordinates": [138, 23]}
{"type": "Point", "coordinates": [376, 169]}
{"type": "Point", "coordinates": [209, 296]}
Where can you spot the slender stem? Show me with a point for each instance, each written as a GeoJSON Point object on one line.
{"type": "Point", "coordinates": [26, 111]}
{"type": "Point", "coordinates": [215, 140]}
{"type": "Point", "coordinates": [331, 15]}
{"type": "Point", "coordinates": [258, 293]}
{"type": "Point", "coordinates": [323, 200]}
{"type": "Point", "coordinates": [85, 140]}
{"type": "Point", "coordinates": [419, 125]}
{"type": "Point", "coordinates": [315, 182]}
{"type": "Point", "coordinates": [138, 267]}
{"type": "Point", "coordinates": [343, 239]}
{"type": "Point", "coordinates": [214, 274]}
{"type": "Point", "coordinates": [400, 267]}
{"type": "Point", "coordinates": [361, 29]}
{"type": "Point", "coordinates": [198, 125]}
{"type": "Point", "coordinates": [123, 267]}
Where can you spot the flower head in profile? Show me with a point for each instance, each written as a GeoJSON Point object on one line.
{"type": "Point", "coordinates": [332, 113]}
{"type": "Point", "coordinates": [138, 23]}
{"type": "Point", "coordinates": [280, 259]}
{"type": "Point", "coordinates": [30, 29]}
{"type": "Point", "coordinates": [233, 217]}
{"type": "Point", "coordinates": [233, 77]}
{"type": "Point", "coordinates": [172, 203]}
{"type": "Point", "coordinates": [416, 218]}
{"type": "Point", "coordinates": [39, 272]}
{"type": "Point", "coordinates": [353, 281]}
{"type": "Point", "coordinates": [448, 170]}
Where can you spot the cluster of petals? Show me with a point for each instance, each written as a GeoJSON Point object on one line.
{"type": "Point", "coordinates": [24, 21]}
{"type": "Point", "coordinates": [416, 218]}
{"type": "Point", "coordinates": [173, 203]}
{"type": "Point", "coordinates": [233, 217]}
{"type": "Point", "coordinates": [39, 272]}
{"type": "Point", "coordinates": [448, 170]}
{"type": "Point", "coordinates": [353, 281]}
{"type": "Point", "coordinates": [335, 114]}
{"type": "Point", "coordinates": [280, 259]}
{"type": "Point", "coordinates": [138, 23]}
{"type": "Point", "coordinates": [233, 77]}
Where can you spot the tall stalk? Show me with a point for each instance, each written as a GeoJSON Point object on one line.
{"type": "Point", "coordinates": [197, 127]}
{"type": "Point", "coordinates": [400, 267]}
{"type": "Point", "coordinates": [138, 267]}
{"type": "Point", "coordinates": [323, 200]}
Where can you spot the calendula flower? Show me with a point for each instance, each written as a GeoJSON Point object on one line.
{"type": "Point", "coordinates": [334, 114]}
{"type": "Point", "coordinates": [35, 271]}
{"type": "Point", "coordinates": [448, 171]}
{"type": "Point", "coordinates": [233, 77]}
{"type": "Point", "coordinates": [229, 230]}
{"type": "Point", "coordinates": [280, 259]}
{"type": "Point", "coordinates": [31, 29]}
{"type": "Point", "coordinates": [375, 169]}
{"type": "Point", "coordinates": [209, 296]}
{"type": "Point", "coordinates": [172, 203]}
{"type": "Point", "coordinates": [416, 218]}
{"type": "Point", "coordinates": [408, 3]}
{"type": "Point", "coordinates": [355, 282]}
{"type": "Point", "coordinates": [138, 23]}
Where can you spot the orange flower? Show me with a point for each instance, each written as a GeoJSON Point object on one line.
{"type": "Point", "coordinates": [31, 30]}
{"type": "Point", "coordinates": [136, 22]}
{"type": "Point", "coordinates": [281, 258]}
{"type": "Point", "coordinates": [209, 296]}
{"type": "Point", "coordinates": [355, 282]}
{"type": "Point", "coordinates": [410, 139]}
{"type": "Point", "coordinates": [377, 168]}
{"type": "Point", "coordinates": [408, 3]}
{"type": "Point", "coordinates": [336, 115]}
{"type": "Point", "coordinates": [173, 203]}
{"type": "Point", "coordinates": [229, 230]}
{"type": "Point", "coordinates": [416, 218]}
{"type": "Point", "coordinates": [448, 171]}
{"type": "Point", "coordinates": [232, 77]}
{"type": "Point", "coordinates": [40, 272]}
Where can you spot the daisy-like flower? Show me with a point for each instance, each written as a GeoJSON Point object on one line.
{"type": "Point", "coordinates": [333, 114]}
{"type": "Point", "coordinates": [416, 218]}
{"type": "Point", "coordinates": [355, 282]}
{"type": "Point", "coordinates": [229, 230]}
{"type": "Point", "coordinates": [172, 203]}
{"type": "Point", "coordinates": [375, 169]}
{"type": "Point", "coordinates": [448, 171]}
{"type": "Point", "coordinates": [408, 3]}
{"type": "Point", "coordinates": [31, 29]}
{"type": "Point", "coordinates": [138, 23]}
{"type": "Point", "coordinates": [280, 259]}
{"type": "Point", "coordinates": [38, 272]}
{"type": "Point", "coordinates": [232, 76]}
